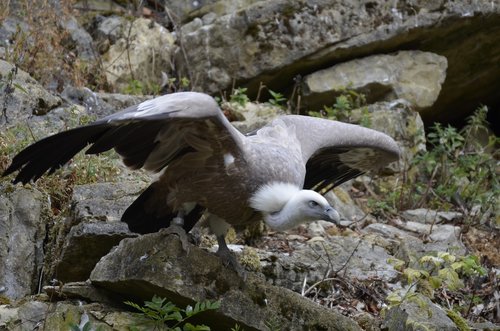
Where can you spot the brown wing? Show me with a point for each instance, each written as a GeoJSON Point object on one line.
{"type": "Point", "coordinates": [149, 135]}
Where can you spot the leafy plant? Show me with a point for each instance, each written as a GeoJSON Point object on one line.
{"type": "Point", "coordinates": [456, 173]}
{"type": "Point", "coordinates": [442, 272]}
{"type": "Point", "coordinates": [277, 98]}
{"type": "Point", "coordinates": [164, 315]}
{"type": "Point", "coordinates": [341, 110]}
{"type": "Point", "coordinates": [239, 96]}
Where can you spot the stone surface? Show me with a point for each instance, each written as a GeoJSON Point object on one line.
{"type": "Point", "coordinates": [352, 257]}
{"type": "Point", "coordinates": [418, 313]}
{"type": "Point", "coordinates": [27, 316]}
{"type": "Point", "coordinates": [84, 245]}
{"type": "Point", "coordinates": [157, 264]}
{"type": "Point", "coordinates": [97, 210]}
{"type": "Point", "coordinates": [100, 104]}
{"type": "Point", "coordinates": [252, 116]}
{"type": "Point", "coordinates": [428, 216]}
{"type": "Point", "coordinates": [342, 202]}
{"type": "Point", "coordinates": [27, 96]}
{"type": "Point", "coordinates": [141, 53]}
{"type": "Point", "coordinates": [272, 42]}
{"type": "Point", "coordinates": [22, 228]}
{"type": "Point", "coordinates": [104, 201]}
{"type": "Point", "coordinates": [414, 76]}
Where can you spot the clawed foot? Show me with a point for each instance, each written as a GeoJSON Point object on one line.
{"type": "Point", "coordinates": [180, 232]}
{"type": "Point", "coordinates": [229, 260]}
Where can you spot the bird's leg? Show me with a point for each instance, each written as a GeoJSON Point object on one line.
{"type": "Point", "coordinates": [177, 227]}
{"type": "Point", "coordinates": [219, 227]}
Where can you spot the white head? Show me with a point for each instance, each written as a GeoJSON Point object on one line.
{"type": "Point", "coordinates": [285, 206]}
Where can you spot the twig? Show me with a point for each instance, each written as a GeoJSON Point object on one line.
{"type": "Point", "coordinates": [349, 258]}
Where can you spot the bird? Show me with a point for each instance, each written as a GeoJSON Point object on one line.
{"type": "Point", "coordinates": [208, 169]}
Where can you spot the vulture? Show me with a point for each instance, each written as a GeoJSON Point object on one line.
{"type": "Point", "coordinates": [208, 168]}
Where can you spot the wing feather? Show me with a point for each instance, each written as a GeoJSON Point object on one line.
{"type": "Point", "coordinates": [149, 135]}
{"type": "Point", "coordinates": [336, 152]}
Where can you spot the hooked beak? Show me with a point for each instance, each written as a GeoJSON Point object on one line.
{"type": "Point", "coordinates": [331, 215]}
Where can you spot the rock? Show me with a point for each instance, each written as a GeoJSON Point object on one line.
{"type": "Point", "coordinates": [22, 226]}
{"type": "Point", "coordinates": [98, 104]}
{"type": "Point", "coordinates": [418, 313]}
{"type": "Point", "coordinates": [414, 76]}
{"type": "Point", "coordinates": [252, 116]}
{"type": "Point", "coordinates": [97, 210]}
{"type": "Point", "coordinates": [313, 260]}
{"type": "Point", "coordinates": [427, 216]}
{"type": "Point", "coordinates": [156, 264]}
{"type": "Point", "coordinates": [79, 291]}
{"type": "Point", "coordinates": [184, 11]}
{"type": "Point", "coordinates": [85, 244]}
{"type": "Point", "coordinates": [141, 53]}
{"type": "Point", "coordinates": [104, 201]}
{"type": "Point", "coordinates": [272, 42]}
{"type": "Point", "coordinates": [22, 96]}
{"type": "Point", "coordinates": [80, 38]}
{"type": "Point", "coordinates": [342, 202]}
{"type": "Point", "coordinates": [28, 316]}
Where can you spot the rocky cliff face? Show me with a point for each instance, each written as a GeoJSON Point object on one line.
{"type": "Point", "coordinates": [409, 233]}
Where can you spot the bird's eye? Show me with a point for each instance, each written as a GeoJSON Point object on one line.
{"type": "Point", "coordinates": [313, 204]}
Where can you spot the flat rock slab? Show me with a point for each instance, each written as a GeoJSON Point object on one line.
{"type": "Point", "coordinates": [156, 264]}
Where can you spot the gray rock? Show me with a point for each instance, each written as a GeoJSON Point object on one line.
{"type": "Point", "coordinates": [27, 316]}
{"type": "Point", "coordinates": [81, 39]}
{"type": "Point", "coordinates": [21, 244]}
{"type": "Point", "coordinates": [84, 245]}
{"type": "Point", "coordinates": [253, 116]}
{"type": "Point", "coordinates": [428, 216]}
{"type": "Point", "coordinates": [314, 260]}
{"type": "Point", "coordinates": [414, 76]}
{"type": "Point", "coordinates": [271, 42]}
{"type": "Point", "coordinates": [79, 291]}
{"type": "Point", "coordinates": [418, 313]}
{"type": "Point", "coordinates": [342, 202]}
{"type": "Point", "coordinates": [99, 104]}
{"type": "Point", "coordinates": [141, 53]}
{"type": "Point", "coordinates": [104, 201]}
{"type": "Point", "coordinates": [97, 210]}
{"type": "Point", "coordinates": [26, 98]}
{"type": "Point", "coordinates": [157, 264]}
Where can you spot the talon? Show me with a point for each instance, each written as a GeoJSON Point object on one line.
{"type": "Point", "coordinates": [181, 233]}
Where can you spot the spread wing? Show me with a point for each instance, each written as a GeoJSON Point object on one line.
{"type": "Point", "coordinates": [149, 135]}
{"type": "Point", "coordinates": [335, 152]}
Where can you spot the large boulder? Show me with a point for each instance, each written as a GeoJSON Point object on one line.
{"type": "Point", "coordinates": [156, 264]}
{"type": "Point", "coordinates": [414, 76]}
{"type": "Point", "coordinates": [22, 228]}
{"type": "Point", "coordinates": [272, 42]}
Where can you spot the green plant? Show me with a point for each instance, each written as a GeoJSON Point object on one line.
{"type": "Point", "coordinates": [456, 173]}
{"type": "Point", "coordinates": [277, 99]}
{"type": "Point", "coordinates": [342, 108]}
{"type": "Point", "coordinates": [164, 315]}
{"type": "Point", "coordinates": [239, 96]}
{"type": "Point", "coordinates": [440, 273]}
